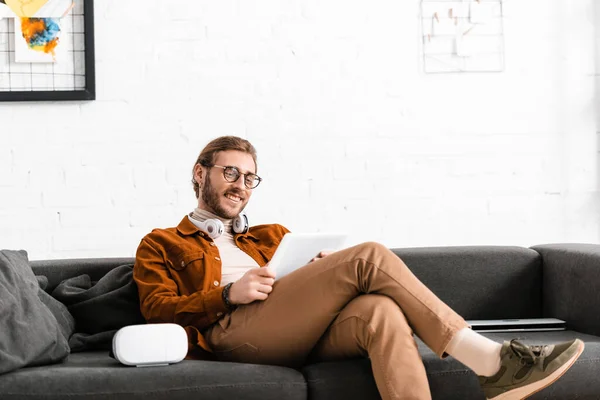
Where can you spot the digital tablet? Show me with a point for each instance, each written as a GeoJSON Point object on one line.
{"type": "Point", "coordinates": [297, 249]}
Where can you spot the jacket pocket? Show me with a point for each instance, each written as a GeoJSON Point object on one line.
{"type": "Point", "coordinates": [182, 260]}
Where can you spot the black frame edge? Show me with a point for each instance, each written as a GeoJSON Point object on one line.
{"type": "Point", "coordinates": [90, 71]}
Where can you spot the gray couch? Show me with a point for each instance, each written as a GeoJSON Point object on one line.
{"type": "Point", "coordinates": [480, 282]}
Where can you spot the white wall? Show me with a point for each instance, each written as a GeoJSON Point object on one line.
{"type": "Point", "coordinates": [351, 134]}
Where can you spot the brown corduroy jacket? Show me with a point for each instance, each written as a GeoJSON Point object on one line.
{"type": "Point", "coordinates": [178, 275]}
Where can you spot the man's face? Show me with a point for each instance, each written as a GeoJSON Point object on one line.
{"type": "Point", "coordinates": [222, 198]}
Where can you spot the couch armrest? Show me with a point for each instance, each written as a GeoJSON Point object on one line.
{"type": "Point", "coordinates": [571, 284]}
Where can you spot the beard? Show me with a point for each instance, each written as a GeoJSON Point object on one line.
{"type": "Point", "coordinates": [212, 199]}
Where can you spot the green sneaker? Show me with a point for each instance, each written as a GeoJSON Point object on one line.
{"type": "Point", "coordinates": [526, 370]}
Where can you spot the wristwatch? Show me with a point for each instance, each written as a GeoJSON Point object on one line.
{"type": "Point", "coordinates": [226, 300]}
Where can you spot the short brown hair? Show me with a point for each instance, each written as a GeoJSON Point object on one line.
{"type": "Point", "coordinates": [208, 154]}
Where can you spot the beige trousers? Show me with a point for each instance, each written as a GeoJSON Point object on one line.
{"type": "Point", "coordinates": [362, 301]}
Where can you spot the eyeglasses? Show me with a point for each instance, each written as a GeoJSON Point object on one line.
{"type": "Point", "coordinates": [232, 174]}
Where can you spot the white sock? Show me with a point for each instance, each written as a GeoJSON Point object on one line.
{"type": "Point", "coordinates": [477, 352]}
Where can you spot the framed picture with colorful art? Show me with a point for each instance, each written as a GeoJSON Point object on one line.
{"type": "Point", "coordinates": [47, 50]}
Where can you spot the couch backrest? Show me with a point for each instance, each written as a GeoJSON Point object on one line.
{"type": "Point", "coordinates": [481, 282]}
{"type": "Point", "coordinates": [58, 270]}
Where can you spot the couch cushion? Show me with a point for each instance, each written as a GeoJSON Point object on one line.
{"type": "Point", "coordinates": [94, 375]}
{"type": "Point", "coordinates": [450, 380]}
{"type": "Point", "coordinates": [35, 326]}
{"type": "Point", "coordinates": [481, 282]}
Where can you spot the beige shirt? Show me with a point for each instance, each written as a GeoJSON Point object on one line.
{"type": "Point", "coordinates": [234, 262]}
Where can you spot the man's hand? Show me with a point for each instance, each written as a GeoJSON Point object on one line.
{"type": "Point", "coordinates": [322, 254]}
{"type": "Point", "coordinates": [256, 284]}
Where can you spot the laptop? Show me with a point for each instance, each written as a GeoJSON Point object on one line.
{"type": "Point", "coordinates": [297, 249]}
{"type": "Point", "coordinates": [518, 325]}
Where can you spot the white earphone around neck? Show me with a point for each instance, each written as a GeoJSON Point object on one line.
{"type": "Point", "coordinates": [215, 227]}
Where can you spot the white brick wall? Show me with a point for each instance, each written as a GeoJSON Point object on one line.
{"type": "Point", "coordinates": [351, 134]}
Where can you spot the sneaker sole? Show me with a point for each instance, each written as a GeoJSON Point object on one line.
{"type": "Point", "coordinates": [529, 390]}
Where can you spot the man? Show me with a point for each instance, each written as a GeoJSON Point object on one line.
{"type": "Point", "coordinates": [362, 301]}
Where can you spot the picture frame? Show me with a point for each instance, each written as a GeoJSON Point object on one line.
{"type": "Point", "coordinates": [71, 81]}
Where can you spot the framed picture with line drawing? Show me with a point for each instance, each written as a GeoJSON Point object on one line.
{"type": "Point", "coordinates": [47, 50]}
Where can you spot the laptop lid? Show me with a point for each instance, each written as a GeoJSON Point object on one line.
{"type": "Point", "coordinates": [518, 325]}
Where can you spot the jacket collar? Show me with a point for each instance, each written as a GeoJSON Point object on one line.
{"type": "Point", "coordinates": [187, 228]}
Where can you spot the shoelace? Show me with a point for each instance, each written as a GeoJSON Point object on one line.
{"type": "Point", "coordinates": [528, 355]}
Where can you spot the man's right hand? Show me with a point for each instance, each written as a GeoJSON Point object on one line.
{"type": "Point", "coordinates": [256, 284]}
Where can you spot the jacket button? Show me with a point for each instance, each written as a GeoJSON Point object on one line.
{"type": "Point", "coordinates": [216, 283]}
{"type": "Point", "coordinates": [183, 263]}
{"type": "Point", "coordinates": [219, 314]}
{"type": "Point", "coordinates": [217, 258]}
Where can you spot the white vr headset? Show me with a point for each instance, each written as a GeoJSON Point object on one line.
{"type": "Point", "coordinates": [150, 345]}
